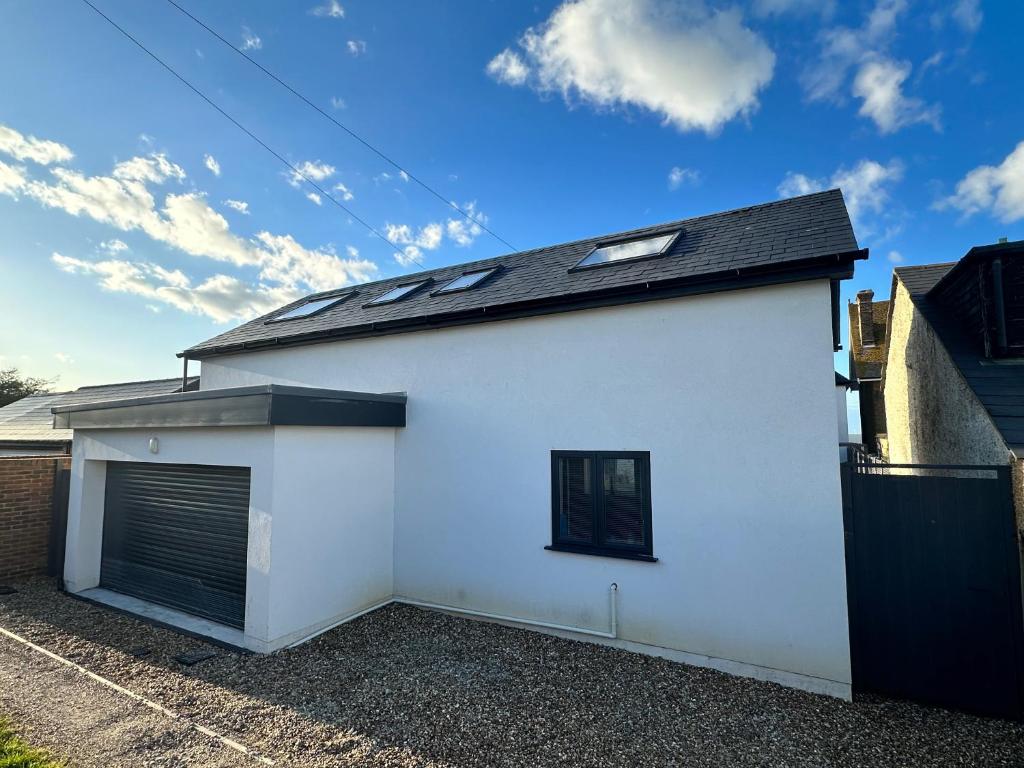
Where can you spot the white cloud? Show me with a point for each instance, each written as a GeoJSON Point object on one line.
{"type": "Point", "coordinates": [879, 83]}
{"type": "Point", "coordinates": [428, 237]}
{"type": "Point", "coordinates": [677, 177]}
{"type": "Point", "coordinates": [895, 257]}
{"type": "Point", "coordinates": [779, 7]}
{"type": "Point", "coordinates": [695, 67]}
{"type": "Point", "coordinates": [310, 169]}
{"type": "Point", "coordinates": [338, 103]}
{"type": "Point", "coordinates": [356, 47]}
{"type": "Point", "coordinates": [967, 13]}
{"type": "Point", "coordinates": [878, 78]}
{"type": "Point", "coordinates": [221, 297]}
{"type": "Point", "coordinates": [508, 67]}
{"type": "Point", "coordinates": [345, 192]}
{"type": "Point", "coordinates": [998, 189]}
{"type": "Point", "coordinates": [12, 179]}
{"type": "Point", "coordinates": [313, 197]}
{"type": "Point", "coordinates": [63, 358]}
{"type": "Point", "coordinates": [250, 40]}
{"type": "Point", "coordinates": [409, 255]}
{"type": "Point", "coordinates": [865, 187]}
{"type": "Point", "coordinates": [211, 164]}
{"type": "Point", "coordinates": [462, 231]}
{"type": "Point", "coordinates": [41, 151]}
{"type": "Point", "coordinates": [155, 168]}
{"type": "Point", "coordinates": [332, 9]}
{"type": "Point", "coordinates": [403, 176]}
{"type": "Point", "coordinates": [114, 246]}
{"type": "Point", "coordinates": [278, 266]}
{"type": "Point", "coordinates": [286, 261]}
{"type": "Point", "coordinates": [238, 205]}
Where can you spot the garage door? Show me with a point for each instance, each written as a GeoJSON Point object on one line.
{"type": "Point", "coordinates": [176, 534]}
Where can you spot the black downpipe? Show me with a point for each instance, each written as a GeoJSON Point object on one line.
{"type": "Point", "coordinates": [997, 290]}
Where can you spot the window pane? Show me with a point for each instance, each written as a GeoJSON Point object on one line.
{"type": "Point", "coordinates": [396, 293]}
{"type": "Point", "coordinates": [466, 281]}
{"type": "Point", "coordinates": [575, 500]}
{"type": "Point", "coordinates": [634, 249]}
{"type": "Point", "coordinates": [309, 307]}
{"type": "Point", "coordinates": [623, 502]}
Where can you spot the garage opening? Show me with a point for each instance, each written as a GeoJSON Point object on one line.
{"type": "Point", "coordinates": [176, 534]}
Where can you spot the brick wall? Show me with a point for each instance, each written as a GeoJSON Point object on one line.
{"type": "Point", "coordinates": [26, 498]}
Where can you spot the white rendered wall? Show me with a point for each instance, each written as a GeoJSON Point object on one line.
{"type": "Point", "coordinates": [751, 565]}
{"type": "Point", "coordinates": [333, 537]}
{"type": "Point", "coordinates": [320, 545]}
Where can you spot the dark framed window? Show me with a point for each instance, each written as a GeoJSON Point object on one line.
{"type": "Point", "coordinates": [601, 503]}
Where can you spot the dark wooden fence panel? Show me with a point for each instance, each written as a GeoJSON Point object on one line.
{"type": "Point", "coordinates": [934, 585]}
{"type": "Point", "coordinates": [59, 520]}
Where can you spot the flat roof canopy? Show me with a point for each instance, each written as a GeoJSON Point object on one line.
{"type": "Point", "coordinates": [259, 406]}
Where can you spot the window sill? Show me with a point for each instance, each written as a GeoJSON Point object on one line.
{"type": "Point", "coordinates": [599, 552]}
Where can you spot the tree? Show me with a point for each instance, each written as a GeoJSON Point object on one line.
{"type": "Point", "coordinates": [14, 387]}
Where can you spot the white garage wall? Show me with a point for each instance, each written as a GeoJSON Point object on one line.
{"type": "Point", "coordinates": [333, 531]}
{"type": "Point", "coordinates": [734, 396]}
{"type": "Point", "coordinates": [321, 516]}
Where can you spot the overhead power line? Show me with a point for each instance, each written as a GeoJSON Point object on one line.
{"type": "Point", "coordinates": [470, 217]}
{"type": "Point", "coordinates": [320, 190]}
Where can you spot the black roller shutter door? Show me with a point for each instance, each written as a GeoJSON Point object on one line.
{"type": "Point", "coordinates": [176, 534]}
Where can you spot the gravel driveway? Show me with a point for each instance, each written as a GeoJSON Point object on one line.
{"type": "Point", "coordinates": [407, 687]}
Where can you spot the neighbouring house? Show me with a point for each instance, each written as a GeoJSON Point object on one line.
{"type": "Point", "coordinates": [26, 425]}
{"type": "Point", "coordinates": [954, 378]}
{"type": "Point", "coordinates": [867, 359]}
{"type": "Point", "coordinates": [558, 438]}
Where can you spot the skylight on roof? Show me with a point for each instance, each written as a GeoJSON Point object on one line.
{"type": "Point", "coordinates": [311, 307]}
{"type": "Point", "coordinates": [467, 281]}
{"type": "Point", "coordinates": [626, 251]}
{"type": "Point", "coordinates": [397, 293]}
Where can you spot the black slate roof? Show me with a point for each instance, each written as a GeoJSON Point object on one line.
{"type": "Point", "coordinates": [998, 386]}
{"type": "Point", "coordinates": [776, 238]}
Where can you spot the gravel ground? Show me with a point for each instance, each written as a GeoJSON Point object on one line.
{"type": "Point", "coordinates": [80, 720]}
{"type": "Point", "coordinates": [407, 687]}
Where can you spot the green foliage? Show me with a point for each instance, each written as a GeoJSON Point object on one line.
{"type": "Point", "coordinates": [14, 753]}
{"type": "Point", "coordinates": [14, 387]}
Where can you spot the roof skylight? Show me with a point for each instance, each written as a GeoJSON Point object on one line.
{"type": "Point", "coordinates": [467, 281]}
{"type": "Point", "coordinates": [628, 250]}
{"type": "Point", "coordinates": [311, 307]}
{"type": "Point", "coordinates": [397, 293]}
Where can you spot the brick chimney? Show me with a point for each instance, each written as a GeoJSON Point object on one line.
{"type": "Point", "coordinates": [867, 324]}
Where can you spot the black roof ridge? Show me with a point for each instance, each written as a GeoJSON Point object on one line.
{"type": "Point", "coordinates": [650, 228]}
{"type": "Point", "coordinates": [924, 266]}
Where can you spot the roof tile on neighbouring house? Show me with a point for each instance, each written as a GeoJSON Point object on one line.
{"type": "Point", "coordinates": [999, 386]}
{"type": "Point", "coordinates": [29, 420]}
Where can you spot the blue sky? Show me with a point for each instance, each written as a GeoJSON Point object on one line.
{"type": "Point", "coordinates": [123, 243]}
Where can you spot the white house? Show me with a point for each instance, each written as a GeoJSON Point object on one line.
{"type": "Point", "coordinates": [558, 438]}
